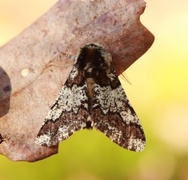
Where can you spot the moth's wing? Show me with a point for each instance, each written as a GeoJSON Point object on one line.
{"type": "Point", "coordinates": [68, 114]}
{"type": "Point", "coordinates": [114, 116]}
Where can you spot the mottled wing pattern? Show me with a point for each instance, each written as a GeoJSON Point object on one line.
{"type": "Point", "coordinates": [91, 97]}
{"type": "Point", "coordinates": [68, 114]}
{"type": "Point", "coordinates": [114, 116]}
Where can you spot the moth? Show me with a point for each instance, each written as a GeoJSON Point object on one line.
{"type": "Point", "coordinates": [92, 97]}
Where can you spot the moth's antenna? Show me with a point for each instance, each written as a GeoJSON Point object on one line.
{"type": "Point", "coordinates": [125, 77]}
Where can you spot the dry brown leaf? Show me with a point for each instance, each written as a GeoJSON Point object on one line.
{"type": "Point", "coordinates": [36, 63]}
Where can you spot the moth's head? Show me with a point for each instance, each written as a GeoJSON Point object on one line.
{"type": "Point", "coordinates": [93, 55]}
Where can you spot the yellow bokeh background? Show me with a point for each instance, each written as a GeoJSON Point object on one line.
{"type": "Point", "coordinates": [158, 93]}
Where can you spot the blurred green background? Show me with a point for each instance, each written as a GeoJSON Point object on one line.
{"type": "Point", "coordinates": [159, 94]}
